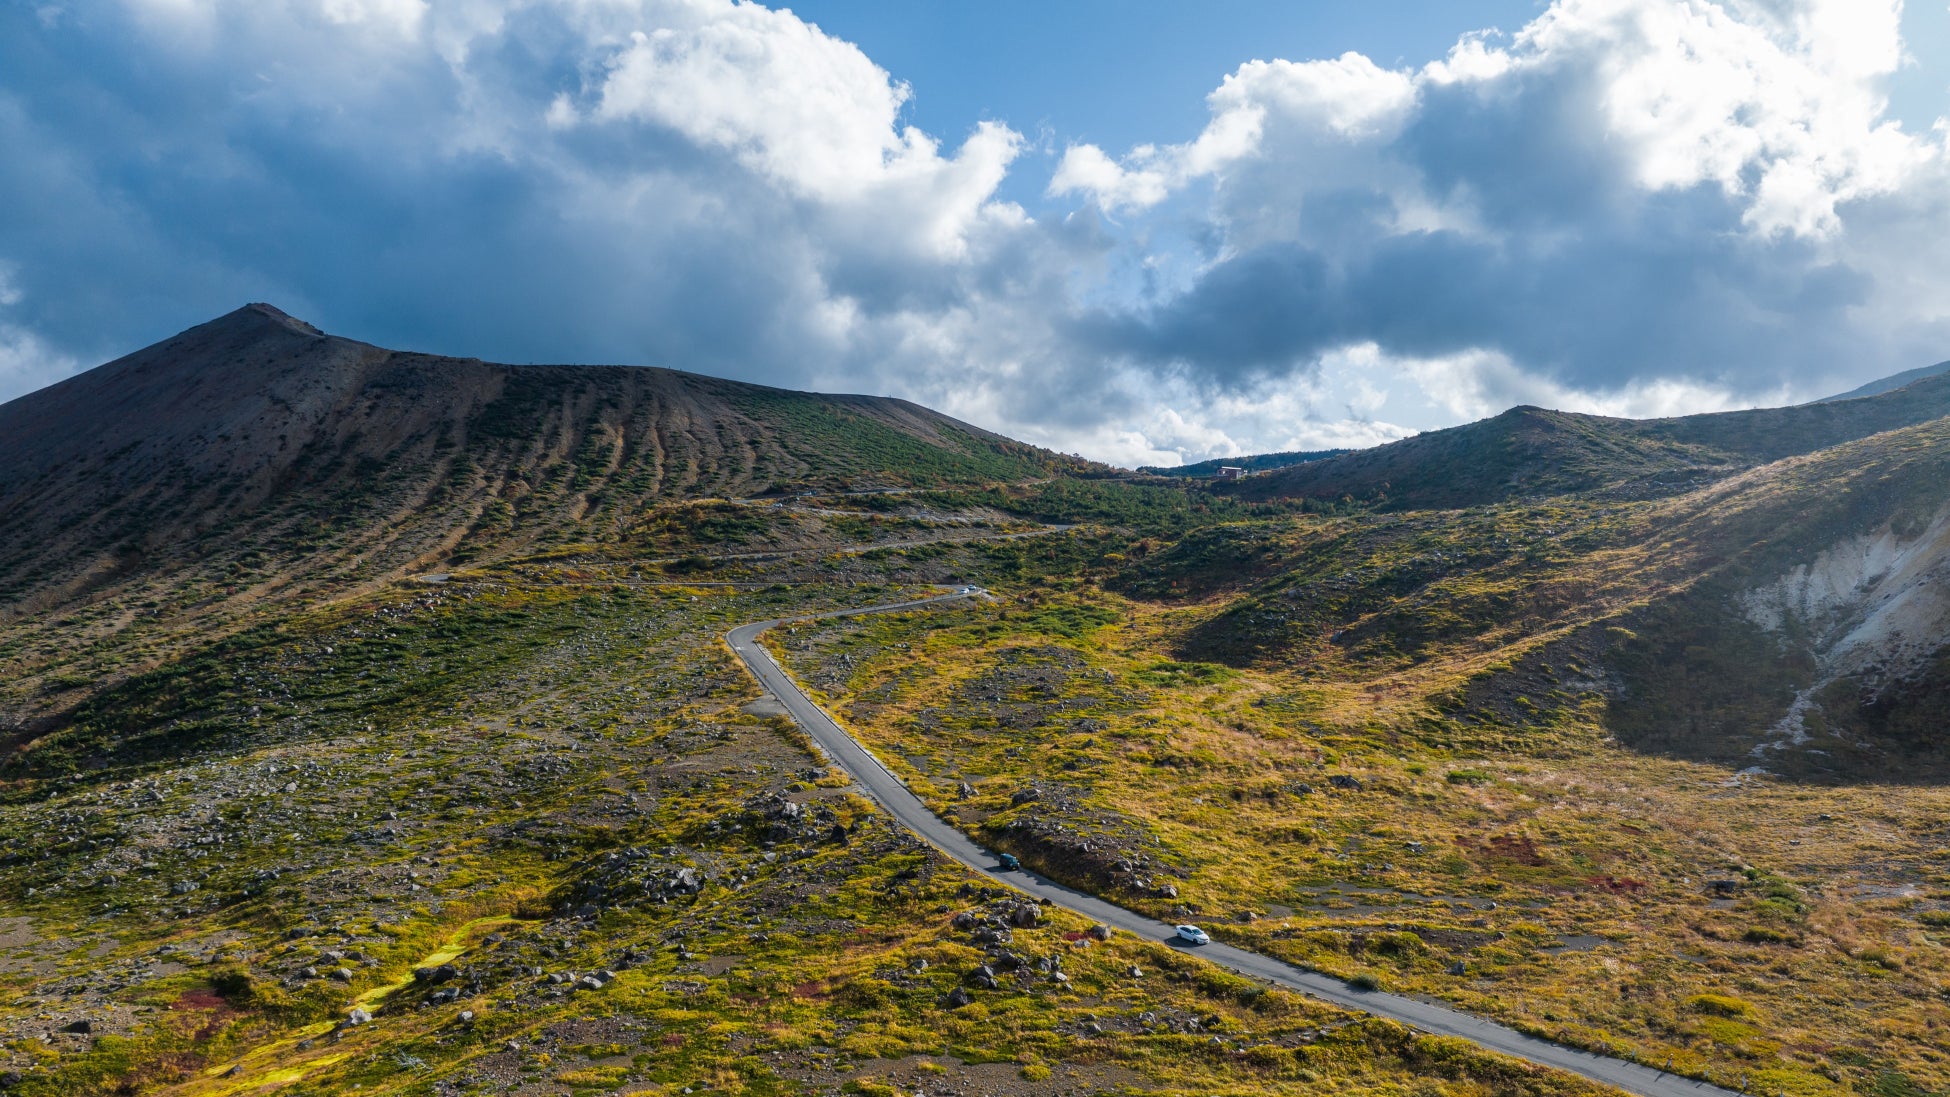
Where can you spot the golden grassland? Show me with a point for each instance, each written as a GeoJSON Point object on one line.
{"type": "Point", "coordinates": [1744, 927]}
{"type": "Point", "coordinates": [432, 775]}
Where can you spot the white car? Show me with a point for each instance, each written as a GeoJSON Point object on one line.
{"type": "Point", "coordinates": [1192, 935]}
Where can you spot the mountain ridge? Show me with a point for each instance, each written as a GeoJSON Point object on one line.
{"type": "Point", "coordinates": [1532, 452]}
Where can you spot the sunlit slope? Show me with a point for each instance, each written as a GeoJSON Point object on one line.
{"type": "Point", "coordinates": [1691, 624]}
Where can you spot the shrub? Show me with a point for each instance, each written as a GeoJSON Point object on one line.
{"type": "Point", "coordinates": [1720, 1005]}
{"type": "Point", "coordinates": [1364, 981]}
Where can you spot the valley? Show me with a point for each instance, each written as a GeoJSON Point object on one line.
{"type": "Point", "coordinates": [409, 755]}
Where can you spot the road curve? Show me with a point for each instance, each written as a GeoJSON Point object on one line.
{"type": "Point", "coordinates": [892, 794]}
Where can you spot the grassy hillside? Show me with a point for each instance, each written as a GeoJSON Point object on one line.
{"type": "Point", "coordinates": [1256, 462]}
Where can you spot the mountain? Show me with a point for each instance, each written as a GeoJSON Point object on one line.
{"type": "Point", "coordinates": [256, 437]}
{"type": "Point", "coordinates": [1891, 383]}
{"type": "Point", "coordinates": [1530, 453]}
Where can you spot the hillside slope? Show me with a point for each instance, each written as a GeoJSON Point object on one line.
{"type": "Point", "coordinates": [1528, 453]}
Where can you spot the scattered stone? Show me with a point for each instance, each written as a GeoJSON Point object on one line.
{"type": "Point", "coordinates": [82, 1027]}
{"type": "Point", "coordinates": [357, 1017]}
{"type": "Point", "coordinates": [1100, 932]}
{"type": "Point", "coordinates": [1343, 781]}
{"type": "Point", "coordinates": [959, 997]}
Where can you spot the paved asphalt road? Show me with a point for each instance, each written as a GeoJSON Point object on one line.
{"type": "Point", "coordinates": [892, 794]}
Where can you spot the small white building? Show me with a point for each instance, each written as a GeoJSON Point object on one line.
{"type": "Point", "coordinates": [1229, 472]}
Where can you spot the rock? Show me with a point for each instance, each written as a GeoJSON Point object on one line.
{"type": "Point", "coordinates": [82, 1027]}
{"type": "Point", "coordinates": [1343, 781]}
{"type": "Point", "coordinates": [182, 887]}
{"type": "Point", "coordinates": [589, 982]}
{"type": "Point", "coordinates": [965, 790]}
{"type": "Point", "coordinates": [959, 997]}
{"type": "Point", "coordinates": [435, 975]}
{"type": "Point", "coordinates": [343, 975]}
{"type": "Point", "coordinates": [1134, 972]}
{"type": "Point", "coordinates": [466, 1016]}
{"type": "Point", "coordinates": [358, 1017]}
{"type": "Point", "coordinates": [310, 973]}
{"type": "Point", "coordinates": [1100, 932]}
{"type": "Point", "coordinates": [1458, 968]}
{"type": "Point", "coordinates": [1025, 795]}
{"type": "Point", "coordinates": [1167, 891]}
{"type": "Point", "coordinates": [964, 921]}
{"type": "Point", "coordinates": [513, 1045]}
{"type": "Point", "coordinates": [1025, 916]}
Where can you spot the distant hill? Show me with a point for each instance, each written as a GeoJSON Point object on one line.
{"type": "Point", "coordinates": [1890, 383]}
{"type": "Point", "coordinates": [1258, 462]}
{"type": "Point", "coordinates": [257, 434]}
{"type": "Point", "coordinates": [1529, 452]}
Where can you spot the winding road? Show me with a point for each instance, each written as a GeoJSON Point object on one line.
{"type": "Point", "coordinates": [892, 794]}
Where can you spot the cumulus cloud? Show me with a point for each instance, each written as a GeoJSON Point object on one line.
{"type": "Point", "coordinates": [1626, 207]}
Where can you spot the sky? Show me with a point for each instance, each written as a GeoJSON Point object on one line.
{"type": "Point", "coordinates": [1141, 231]}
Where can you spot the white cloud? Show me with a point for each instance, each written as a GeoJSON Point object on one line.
{"type": "Point", "coordinates": [1349, 99]}
{"type": "Point", "coordinates": [1778, 103]}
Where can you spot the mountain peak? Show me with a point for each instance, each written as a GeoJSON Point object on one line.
{"type": "Point", "coordinates": [259, 314]}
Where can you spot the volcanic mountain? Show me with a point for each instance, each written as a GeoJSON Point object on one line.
{"type": "Point", "coordinates": [257, 433]}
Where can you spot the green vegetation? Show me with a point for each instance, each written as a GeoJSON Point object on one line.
{"type": "Point", "coordinates": [1541, 717]}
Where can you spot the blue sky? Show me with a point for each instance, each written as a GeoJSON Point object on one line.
{"type": "Point", "coordinates": [1143, 231]}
